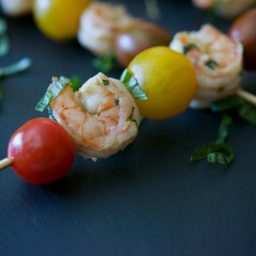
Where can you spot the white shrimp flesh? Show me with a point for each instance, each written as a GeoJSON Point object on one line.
{"type": "Point", "coordinates": [99, 25]}
{"type": "Point", "coordinates": [16, 7]}
{"type": "Point", "coordinates": [101, 117]}
{"type": "Point", "coordinates": [226, 8]}
{"type": "Point", "coordinates": [217, 60]}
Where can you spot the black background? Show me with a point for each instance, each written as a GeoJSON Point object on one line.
{"type": "Point", "coordinates": [148, 199]}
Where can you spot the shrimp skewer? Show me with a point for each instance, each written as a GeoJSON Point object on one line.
{"type": "Point", "coordinates": [99, 25]}
{"type": "Point", "coordinates": [226, 8]}
{"type": "Point", "coordinates": [16, 7]}
{"type": "Point", "coordinates": [101, 117]}
{"type": "Point", "coordinates": [217, 60]}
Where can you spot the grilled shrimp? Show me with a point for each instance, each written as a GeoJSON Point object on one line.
{"type": "Point", "coordinates": [226, 8]}
{"type": "Point", "coordinates": [16, 7]}
{"type": "Point", "coordinates": [101, 117]}
{"type": "Point", "coordinates": [99, 25]}
{"type": "Point", "coordinates": [217, 60]}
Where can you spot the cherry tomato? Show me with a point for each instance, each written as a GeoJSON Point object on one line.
{"type": "Point", "coordinates": [138, 36]}
{"type": "Point", "coordinates": [42, 151]}
{"type": "Point", "coordinates": [59, 19]}
{"type": "Point", "coordinates": [244, 30]}
{"type": "Point", "coordinates": [168, 78]}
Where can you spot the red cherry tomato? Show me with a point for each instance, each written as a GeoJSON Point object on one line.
{"type": "Point", "coordinates": [42, 151]}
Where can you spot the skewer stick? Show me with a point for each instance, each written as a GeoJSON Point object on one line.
{"type": "Point", "coordinates": [5, 162]}
{"type": "Point", "coordinates": [246, 96]}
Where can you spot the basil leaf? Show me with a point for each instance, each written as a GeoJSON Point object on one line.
{"type": "Point", "coordinates": [20, 66]}
{"type": "Point", "coordinates": [1, 95]}
{"type": "Point", "coordinates": [3, 26]}
{"type": "Point", "coordinates": [76, 83]}
{"type": "Point", "coordinates": [152, 9]}
{"type": "Point", "coordinates": [105, 64]}
{"type": "Point", "coordinates": [4, 45]}
{"type": "Point", "coordinates": [230, 103]}
{"type": "Point", "coordinates": [218, 152]}
{"type": "Point", "coordinates": [248, 112]}
{"type": "Point", "coordinates": [52, 92]}
{"type": "Point", "coordinates": [132, 85]}
{"type": "Point", "coordinates": [242, 108]}
{"type": "Point", "coordinates": [188, 47]}
{"type": "Point", "coordinates": [212, 64]}
{"type": "Point", "coordinates": [4, 40]}
{"type": "Point", "coordinates": [223, 129]}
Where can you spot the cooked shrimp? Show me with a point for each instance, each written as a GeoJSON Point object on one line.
{"type": "Point", "coordinates": [217, 60]}
{"type": "Point", "coordinates": [16, 7]}
{"type": "Point", "coordinates": [226, 8]}
{"type": "Point", "coordinates": [101, 116]}
{"type": "Point", "coordinates": [99, 25]}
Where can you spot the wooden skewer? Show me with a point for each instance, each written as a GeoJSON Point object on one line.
{"type": "Point", "coordinates": [246, 96]}
{"type": "Point", "coordinates": [5, 162]}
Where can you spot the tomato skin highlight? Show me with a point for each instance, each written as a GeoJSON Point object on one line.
{"type": "Point", "coordinates": [42, 151]}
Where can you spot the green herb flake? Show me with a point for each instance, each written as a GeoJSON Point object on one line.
{"type": "Point", "coordinates": [3, 26]}
{"type": "Point", "coordinates": [132, 85]}
{"type": "Point", "coordinates": [105, 64]}
{"type": "Point", "coordinates": [223, 129]}
{"type": "Point", "coordinates": [4, 39]}
{"type": "Point", "coordinates": [212, 64]}
{"type": "Point", "coordinates": [236, 105]}
{"type": "Point", "coordinates": [105, 82]}
{"type": "Point", "coordinates": [247, 112]}
{"type": "Point", "coordinates": [117, 102]}
{"type": "Point", "coordinates": [52, 92]}
{"type": "Point", "coordinates": [130, 118]}
{"type": "Point", "coordinates": [1, 95]}
{"type": "Point", "coordinates": [189, 47]}
{"type": "Point", "coordinates": [13, 69]}
{"type": "Point", "coordinates": [218, 152]}
{"type": "Point", "coordinates": [4, 45]}
{"type": "Point", "coordinates": [76, 83]}
{"type": "Point", "coordinates": [152, 9]}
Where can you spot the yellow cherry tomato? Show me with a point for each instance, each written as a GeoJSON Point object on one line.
{"type": "Point", "coordinates": [59, 19]}
{"type": "Point", "coordinates": [168, 79]}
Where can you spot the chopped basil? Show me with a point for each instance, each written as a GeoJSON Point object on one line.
{"type": "Point", "coordinates": [223, 129]}
{"type": "Point", "coordinates": [212, 64]}
{"type": "Point", "coordinates": [105, 82]}
{"type": "Point", "coordinates": [4, 39]}
{"type": "Point", "coordinates": [218, 152]}
{"type": "Point", "coordinates": [152, 9]}
{"type": "Point", "coordinates": [3, 26]}
{"type": "Point", "coordinates": [117, 101]}
{"type": "Point", "coordinates": [188, 47]}
{"type": "Point", "coordinates": [76, 83]}
{"type": "Point", "coordinates": [226, 104]}
{"type": "Point", "coordinates": [20, 66]}
{"type": "Point", "coordinates": [130, 118]}
{"type": "Point", "coordinates": [132, 85]}
{"type": "Point", "coordinates": [236, 105]}
{"type": "Point", "coordinates": [1, 94]}
{"type": "Point", "coordinates": [4, 45]}
{"type": "Point", "coordinates": [247, 112]}
{"type": "Point", "coordinates": [52, 92]}
{"type": "Point", "coordinates": [105, 64]}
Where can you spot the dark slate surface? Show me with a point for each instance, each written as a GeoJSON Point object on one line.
{"type": "Point", "coordinates": [148, 199]}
